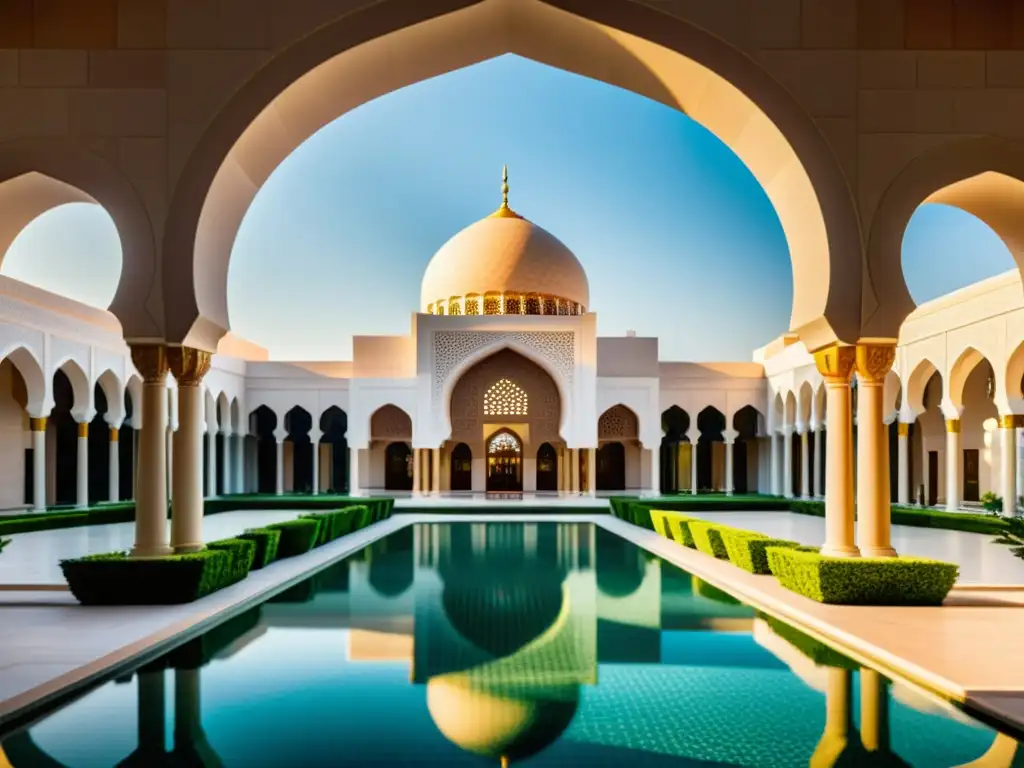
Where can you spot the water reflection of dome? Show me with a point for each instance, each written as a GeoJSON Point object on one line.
{"type": "Point", "coordinates": [392, 571]}
{"type": "Point", "coordinates": [500, 614]}
{"type": "Point", "coordinates": [497, 722]}
{"type": "Point", "coordinates": [620, 568]}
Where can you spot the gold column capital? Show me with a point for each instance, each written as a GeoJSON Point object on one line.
{"type": "Point", "coordinates": [874, 360]}
{"type": "Point", "coordinates": [37, 425]}
{"type": "Point", "coordinates": [151, 362]}
{"type": "Point", "coordinates": [114, 433]}
{"type": "Point", "coordinates": [836, 363]}
{"type": "Point", "coordinates": [188, 365]}
{"type": "Point", "coordinates": [902, 429]}
{"type": "Point", "coordinates": [953, 425]}
{"type": "Point", "coordinates": [83, 429]}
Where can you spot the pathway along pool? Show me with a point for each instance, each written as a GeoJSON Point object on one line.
{"type": "Point", "coordinates": [536, 644]}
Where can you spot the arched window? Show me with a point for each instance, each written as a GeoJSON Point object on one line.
{"type": "Point", "coordinates": [505, 398]}
{"type": "Point", "coordinates": [503, 442]}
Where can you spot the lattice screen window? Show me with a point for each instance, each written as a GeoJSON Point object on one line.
{"type": "Point", "coordinates": [505, 398]}
{"type": "Point", "coordinates": [503, 442]}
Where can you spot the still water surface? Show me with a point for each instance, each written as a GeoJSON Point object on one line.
{"type": "Point", "coordinates": [535, 644]}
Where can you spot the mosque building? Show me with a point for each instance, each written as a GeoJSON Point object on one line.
{"type": "Point", "coordinates": [502, 385]}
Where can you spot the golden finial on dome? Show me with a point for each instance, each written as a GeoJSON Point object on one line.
{"type": "Point", "coordinates": [504, 212]}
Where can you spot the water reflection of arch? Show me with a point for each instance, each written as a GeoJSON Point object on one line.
{"type": "Point", "coordinates": [392, 570]}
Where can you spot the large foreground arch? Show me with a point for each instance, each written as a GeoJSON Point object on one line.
{"type": "Point", "coordinates": [983, 176]}
{"type": "Point", "coordinates": [394, 43]}
{"type": "Point", "coordinates": [37, 175]}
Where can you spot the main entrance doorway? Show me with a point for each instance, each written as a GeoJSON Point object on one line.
{"type": "Point", "coordinates": [504, 463]}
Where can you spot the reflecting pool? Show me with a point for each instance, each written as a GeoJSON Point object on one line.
{"type": "Point", "coordinates": [536, 644]}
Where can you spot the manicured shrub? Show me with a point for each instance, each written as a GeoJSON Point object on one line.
{"type": "Point", "coordinates": [297, 536]}
{"type": "Point", "coordinates": [266, 541]}
{"type": "Point", "coordinates": [862, 580]}
{"type": "Point", "coordinates": [709, 592]}
{"type": "Point", "coordinates": [748, 549]}
{"type": "Point", "coordinates": [242, 551]}
{"type": "Point", "coordinates": [116, 579]}
{"type": "Point", "coordinates": [707, 537]}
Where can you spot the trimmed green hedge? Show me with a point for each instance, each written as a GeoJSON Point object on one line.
{"type": "Point", "coordinates": [67, 517]}
{"type": "Point", "coordinates": [116, 579]}
{"type": "Point", "coordinates": [335, 524]}
{"type": "Point", "coordinates": [862, 580]}
{"type": "Point", "coordinates": [297, 536]}
{"type": "Point", "coordinates": [707, 537]}
{"type": "Point", "coordinates": [748, 550]}
{"type": "Point", "coordinates": [380, 508]}
{"type": "Point", "coordinates": [266, 541]}
{"type": "Point", "coordinates": [242, 551]}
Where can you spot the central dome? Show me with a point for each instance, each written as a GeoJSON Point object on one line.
{"type": "Point", "coordinates": [504, 264]}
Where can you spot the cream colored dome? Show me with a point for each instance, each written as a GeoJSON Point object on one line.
{"type": "Point", "coordinates": [504, 254]}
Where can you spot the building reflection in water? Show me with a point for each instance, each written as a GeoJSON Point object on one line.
{"type": "Point", "coordinates": [505, 626]}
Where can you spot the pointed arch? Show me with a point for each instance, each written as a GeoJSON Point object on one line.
{"type": "Point", "coordinates": [224, 413]}
{"type": "Point", "coordinates": [1014, 373]}
{"type": "Point", "coordinates": [389, 422]}
{"type": "Point", "coordinates": [789, 412]}
{"type": "Point", "coordinates": [803, 412]}
{"type": "Point", "coordinates": [959, 372]}
{"type": "Point", "coordinates": [133, 390]}
{"type": "Point", "coordinates": [675, 424]}
{"type": "Point", "coordinates": [917, 383]}
{"type": "Point", "coordinates": [39, 399]}
{"type": "Point", "coordinates": [113, 391]}
{"type": "Point", "coordinates": [82, 404]}
{"type": "Point", "coordinates": [619, 422]}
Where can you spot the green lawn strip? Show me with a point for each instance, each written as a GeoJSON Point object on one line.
{"type": "Point", "coordinates": [862, 580]}
{"type": "Point", "coordinates": [117, 579]}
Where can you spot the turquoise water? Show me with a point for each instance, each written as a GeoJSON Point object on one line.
{"type": "Point", "coordinates": [465, 644]}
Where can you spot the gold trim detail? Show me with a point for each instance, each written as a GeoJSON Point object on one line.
{"type": "Point", "coordinates": [953, 425]}
{"type": "Point", "coordinates": [151, 362]}
{"type": "Point", "coordinates": [836, 363]}
{"type": "Point", "coordinates": [114, 433]}
{"type": "Point", "coordinates": [37, 425]}
{"type": "Point", "coordinates": [902, 429]}
{"type": "Point", "coordinates": [83, 429]}
{"type": "Point", "coordinates": [500, 303]}
{"type": "Point", "coordinates": [188, 365]}
{"type": "Point", "coordinates": [874, 361]}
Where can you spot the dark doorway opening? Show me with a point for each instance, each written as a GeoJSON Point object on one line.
{"type": "Point", "coordinates": [971, 485]}
{"type": "Point", "coordinates": [611, 467]}
{"type": "Point", "coordinates": [398, 467]}
{"type": "Point", "coordinates": [504, 463]}
{"type": "Point", "coordinates": [462, 468]}
{"type": "Point", "coordinates": [933, 478]}
{"type": "Point", "coordinates": [547, 468]}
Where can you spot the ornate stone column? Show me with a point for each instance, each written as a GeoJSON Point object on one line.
{"type": "Point", "coordinates": [38, 427]}
{"type": "Point", "coordinates": [693, 464]}
{"type": "Point", "coordinates": [416, 470]}
{"type": "Point", "coordinates": [82, 473]}
{"type": "Point", "coordinates": [953, 460]}
{"type": "Point", "coordinates": [903, 463]}
{"type": "Point", "coordinates": [238, 455]}
{"type": "Point", "coordinates": [225, 464]}
{"type": "Point", "coordinates": [574, 472]}
{"type": "Point", "coordinates": [819, 466]}
{"type": "Point", "coordinates": [189, 366]}
{"type": "Point", "coordinates": [353, 471]}
{"type": "Point", "coordinates": [787, 462]}
{"type": "Point", "coordinates": [873, 504]}
{"type": "Point", "coordinates": [169, 453]}
{"type": "Point", "coordinates": [836, 364]}
{"type": "Point", "coordinates": [1008, 430]}
{"type": "Point", "coordinates": [279, 468]}
{"type": "Point", "coordinates": [314, 444]}
{"type": "Point", "coordinates": [729, 441]}
{"type": "Point", "coordinates": [211, 455]}
{"type": "Point", "coordinates": [113, 466]}
{"type": "Point", "coordinates": [151, 500]}
{"type": "Point", "coordinates": [805, 464]}
{"type": "Point", "coordinates": [592, 471]}
{"type": "Point", "coordinates": [774, 465]}
{"type": "Point", "coordinates": [435, 471]}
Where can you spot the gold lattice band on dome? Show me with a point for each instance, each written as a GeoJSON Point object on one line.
{"type": "Point", "coordinates": [953, 425]}
{"type": "Point", "coordinates": [506, 303]}
{"type": "Point", "coordinates": [37, 425]}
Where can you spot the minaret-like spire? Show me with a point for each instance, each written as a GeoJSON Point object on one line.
{"type": "Point", "coordinates": [504, 212]}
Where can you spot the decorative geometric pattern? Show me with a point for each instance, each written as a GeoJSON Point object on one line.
{"type": "Point", "coordinates": [505, 398]}
{"type": "Point", "coordinates": [618, 422]}
{"type": "Point", "coordinates": [389, 422]}
{"type": "Point", "coordinates": [452, 347]}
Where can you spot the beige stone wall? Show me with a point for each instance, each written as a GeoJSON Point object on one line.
{"type": "Point", "coordinates": [141, 82]}
{"type": "Point", "coordinates": [543, 404]}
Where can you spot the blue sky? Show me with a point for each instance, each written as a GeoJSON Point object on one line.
{"type": "Point", "coordinates": [678, 239]}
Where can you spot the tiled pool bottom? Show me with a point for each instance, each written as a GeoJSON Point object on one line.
{"type": "Point", "coordinates": [462, 644]}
